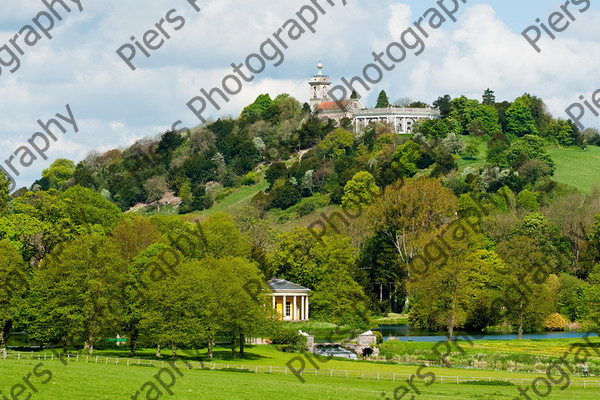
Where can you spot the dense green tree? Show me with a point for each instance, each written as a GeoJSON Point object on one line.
{"type": "Point", "coordinates": [548, 238]}
{"type": "Point", "coordinates": [591, 302]}
{"type": "Point", "coordinates": [15, 283]}
{"type": "Point", "coordinates": [254, 110]}
{"type": "Point", "coordinates": [179, 308]}
{"type": "Point", "coordinates": [240, 312]}
{"type": "Point", "coordinates": [59, 172]}
{"type": "Point", "coordinates": [337, 297]}
{"type": "Point", "coordinates": [155, 188]}
{"type": "Point", "coordinates": [84, 176]}
{"type": "Point", "coordinates": [570, 296]}
{"type": "Point", "coordinates": [408, 210]}
{"type": "Point", "coordinates": [382, 100]}
{"type": "Point", "coordinates": [443, 103]}
{"type": "Point", "coordinates": [405, 159]}
{"type": "Point", "coordinates": [360, 190]}
{"type": "Point", "coordinates": [189, 239]}
{"type": "Point", "coordinates": [146, 267]}
{"type": "Point", "coordinates": [379, 259]}
{"type": "Point", "coordinates": [284, 194]}
{"type": "Point", "coordinates": [448, 287]}
{"type": "Point", "coordinates": [223, 238]}
{"type": "Point", "coordinates": [564, 133]}
{"type": "Point", "coordinates": [200, 199]}
{"type": "Point", "coordinates": [134, 234]}
{"type": "Point", "coordinates": [444, 161]}
{"type": "Point", "coordinates": [76, 295]}
{"type": "Point", "coordinates": [4, 192]}
{"type": "Point", "coordinates": [168, 143]}
{"type": "Point", "coordinates": [527, 200]}
{"type": "Point", "coordinates": [435, 128]}
{"type": "Point", "coordinates": [527, 299]}
{"type": "Point", "coordinates": [464, 110]}
{"type": "Point", "coordinates": [539, 112]}
{"type": "Point", "coordinates": [277, 170]}
{"type": "Point", "coordinates": [489, 99]}
{"type": "Point", "coordinates": [85, 207]}
{"type": "Point", "coordinates": [336, 144]}
{"type": "Point", "coordinates": [486, 117]}
{"type": "Point", "coordinates": [292, 261]}
{"type": "Point", "coordinates": [529, 147]}
{"type": "Point", "coordinates": [185, 194]}
{"type": "Point", "coordinates": [519, 120]}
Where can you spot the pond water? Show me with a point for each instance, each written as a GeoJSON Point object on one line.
{"type": "Point", "coordinates": [19, 340]}
{"type": "Point", "coordinates": [408, 333]}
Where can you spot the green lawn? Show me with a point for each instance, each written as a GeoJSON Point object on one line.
{"type": "Point", "coordinates": [236, 200]}
{"type": "Point", "coordinates": [101, 381]}
{"type": "Point", "coordinates": [265, 355]}
{"type": "Point", "coordinates": [392, 319]}
{"type": "Point", "coordinates": [576, 167]}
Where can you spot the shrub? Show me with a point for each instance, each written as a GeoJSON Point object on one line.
{"type": "Point", "coordinates": [306, 208]}
{"type": "Point", "coordinates": [555, 322]}
{"type": "Point", "coordinates": [288, 340]}
{"type": "Point", "coordinates": [527, 200]}
{"type": "Point", "coordinates": [489, 383]}
{"type": "Point", "coordinates": [249, 179]}
{"type": "Point", "coordinates": [284, 194]}
{"type": "Point", "coordinates": [379, 337]}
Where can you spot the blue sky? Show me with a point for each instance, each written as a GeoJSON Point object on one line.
{"type": "Point", "coordinates": [115, 106]}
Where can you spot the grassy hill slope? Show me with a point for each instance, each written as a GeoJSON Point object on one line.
{"type": "Point", "coordinates": [577, 168]}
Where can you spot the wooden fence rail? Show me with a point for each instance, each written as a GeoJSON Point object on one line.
{"type": "Point", "coordinates": [270, 369]}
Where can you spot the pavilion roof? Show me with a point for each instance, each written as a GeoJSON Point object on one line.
{"type": "Point", "coordinates": [283, 285]}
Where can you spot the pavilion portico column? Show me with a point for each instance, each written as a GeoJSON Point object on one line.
{"type": "Point", "coordinates": [284, 308]}
{"type": "Point", "coordinates": [293, 312]}
{"type": "Point", "coordinates": [305, 308]}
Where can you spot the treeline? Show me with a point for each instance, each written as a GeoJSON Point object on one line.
{"type": "Point", "coordinates": [407, 189]}
{"type": "Point", "coordinates": [197, 165]}
{"type": "Point", "coordinates": [75, 270]}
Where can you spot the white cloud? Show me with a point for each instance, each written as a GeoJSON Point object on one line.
{"type": "Point", "coordinates": [116, 106]}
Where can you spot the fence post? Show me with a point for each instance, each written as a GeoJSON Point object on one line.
{"type": "Point", "coordinates": [441, 379]}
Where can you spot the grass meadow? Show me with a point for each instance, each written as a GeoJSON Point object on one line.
{"type": "Point", "coordinates": [90, 380]}
{"type": "Point", "coordinates": [101, 381]}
